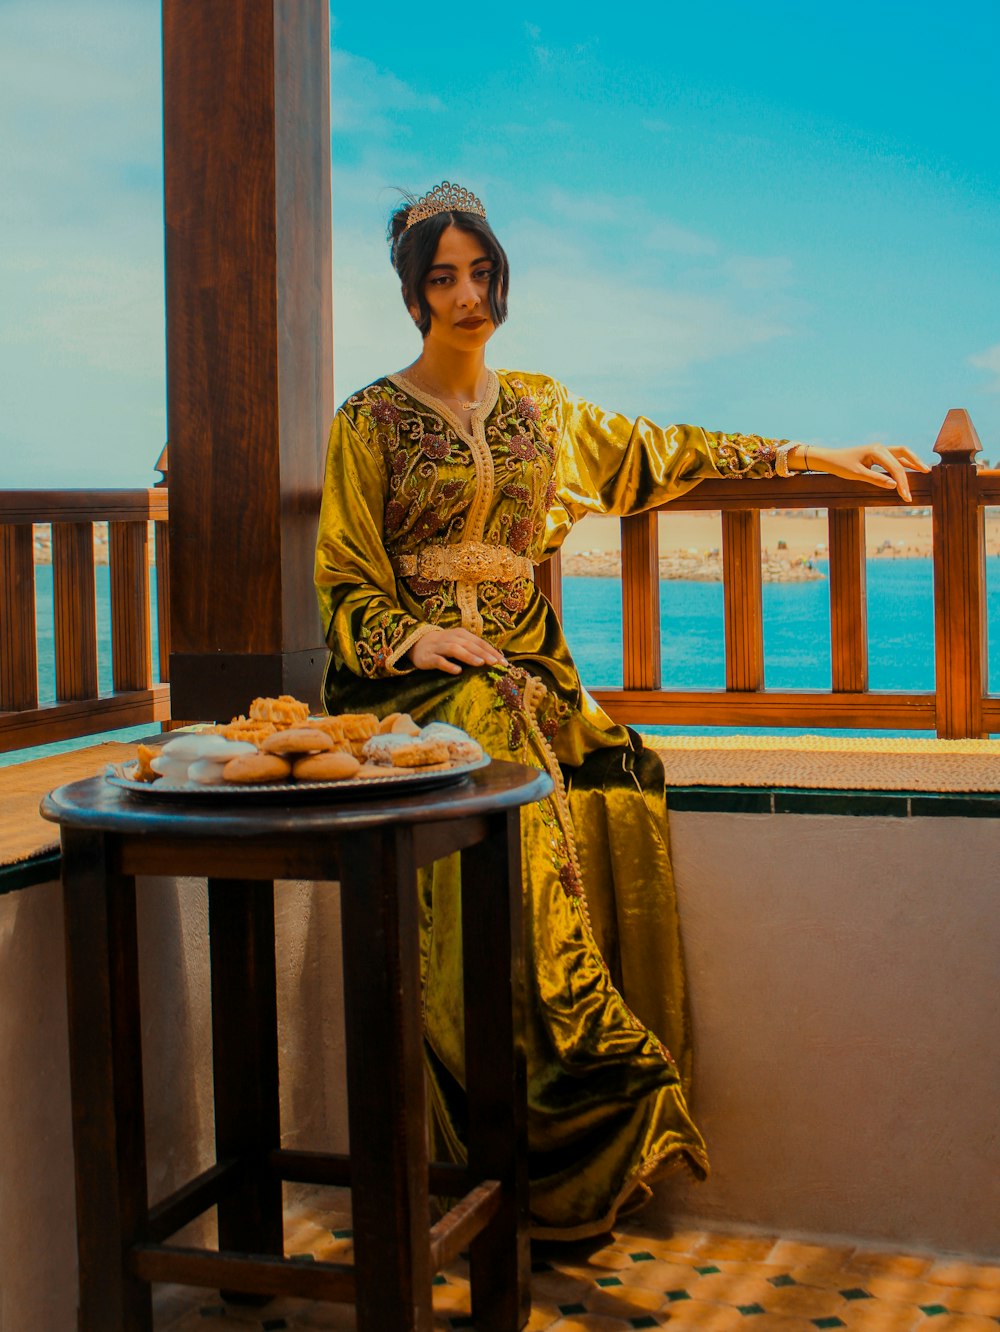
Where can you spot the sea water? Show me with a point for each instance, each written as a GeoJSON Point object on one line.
{"type": "Point", "coordinates": [796, 633]}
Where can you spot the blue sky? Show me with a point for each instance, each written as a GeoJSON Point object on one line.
{"type": "Point", "coordinates": [770, 218]}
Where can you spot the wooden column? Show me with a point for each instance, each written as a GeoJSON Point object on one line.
{"type": "Point", "coordinates": [249, 344]}
{"type": "Point", "coordinates": [744, 605]}
{"type": "Point", "coordinates": [959, 581]}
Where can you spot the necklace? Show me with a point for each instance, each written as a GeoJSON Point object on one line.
{"type": "Point", "coordinates": [466, 405]}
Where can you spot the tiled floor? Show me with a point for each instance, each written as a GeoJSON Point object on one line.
{"type": "Point", "coordinates": [634, 1279]}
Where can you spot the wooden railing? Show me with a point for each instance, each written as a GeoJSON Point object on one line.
{"type": "Point", "coordinates": [80, 708]}
{"type": "Point", "coordinates": [956, 492]}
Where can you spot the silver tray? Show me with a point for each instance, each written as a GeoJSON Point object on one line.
{"type": "Point", "coordinates": [395, 780]}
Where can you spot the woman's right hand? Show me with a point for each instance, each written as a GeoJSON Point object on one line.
{"type": "Point", "coordinates": [446, 649]}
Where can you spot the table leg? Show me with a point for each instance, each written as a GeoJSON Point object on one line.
{"type": "Point", "coordinates": [385, 1083]}
{"type": "Point", "coordinates": [102, 976]}
{"type": "Point", "coordinates": [495, 1076]}
{"type": "Point", "coordinates": [245, 1059]}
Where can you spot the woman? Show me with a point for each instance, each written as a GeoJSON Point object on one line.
{"type": "Point", "coordinates": [445, 484]}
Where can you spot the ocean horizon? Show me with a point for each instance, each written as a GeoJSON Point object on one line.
{"type": "Point", "coordinates": [796, 636]}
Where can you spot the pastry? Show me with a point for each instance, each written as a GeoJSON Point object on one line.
{"type": "Point", "coordinates": [284, 711]}
{"type": "Point", "coordinates": [419, 754]}
{"type": "Point", "coordinates": [297, 740]}
{"type": "Point", "coordinates": [461, 746]}
{"type": "Point", "coordinates": [205, 744]}
{"type": "Point", "coordinates": [207, 771]}
{"type": "Point", "coordinates": [331, 767]}
{"type": "Point", "coordinates": [171, 769]}
{"type": "Point", "coordinates": [144, 771]}
{"type": "Point", "coordinates": [242, 728]}
{"type": "Point", "coordinates": [252, 768]}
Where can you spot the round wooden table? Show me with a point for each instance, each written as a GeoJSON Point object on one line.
{"type": "Point", "coordinates": [374, 847]}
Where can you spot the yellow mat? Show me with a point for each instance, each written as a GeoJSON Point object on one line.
{"type": "Point", "coordinates": [842, 763]}
{"type": "Point", "coordinates": [23, 831]}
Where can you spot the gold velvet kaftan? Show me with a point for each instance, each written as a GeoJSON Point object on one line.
{"type": "Point", "coordinates": [425, 524]}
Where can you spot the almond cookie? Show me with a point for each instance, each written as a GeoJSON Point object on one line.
{"type": "Point", "coordinates": [419, 754]}
{"type": "Point", "coordinates": [297, 740]}
{"type": "Point", "coordinates": [284, 711]}
{"type": "Point", "coordinates": [331, 767]}
{"type": "Point", "coordinates": [249, 769]}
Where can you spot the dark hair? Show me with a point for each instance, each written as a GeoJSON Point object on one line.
{"type": "Point", "coordinates": [412, 253]}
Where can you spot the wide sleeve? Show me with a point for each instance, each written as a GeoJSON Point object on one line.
{"type": "Point", "coordinates": [608, 463]}
{"type": "Point", "coordinates": [366, 628]}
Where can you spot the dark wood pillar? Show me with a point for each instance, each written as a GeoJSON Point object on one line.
{"type": "Point", "coordinates": [249, 344]}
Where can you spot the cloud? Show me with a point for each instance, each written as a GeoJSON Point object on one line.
{"type": "Point", "coordinates": [367, 101]}
{"type": "Point", "coordinates": [989, 360]}
{"type": "Point", "coordinates": [597, 316]}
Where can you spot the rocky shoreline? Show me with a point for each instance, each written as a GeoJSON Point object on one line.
{"type": "Point", "coordinates": [692, 566]}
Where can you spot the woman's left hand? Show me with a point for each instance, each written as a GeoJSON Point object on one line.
{"type": "Point", "coordinates": [859, 463]}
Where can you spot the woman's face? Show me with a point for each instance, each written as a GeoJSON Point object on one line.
{"type": "Point", "coordinates": [457, 290]}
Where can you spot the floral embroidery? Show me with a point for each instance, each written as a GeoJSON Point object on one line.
{"type": "Point", "coordinates": [520, 535]}
{"type": "Point", "coordinates": [736, 455]}
{"type": "Point", "coordinates": [434, 446]}
{"type": "Point", "coordinates": [527, 409]}
{"type": "Point", "coordinates": [394, 515]}
{"type": "Point", "coordinates": [515, 491]}
{"type": "Point", "coordinates": [386, 413]}
{"type": "Point", "coordinates": [427, 524]}
{"type": "Point", "coordinates": [522, 447]}
{"type": "Point", "coordinates": [570, 880]}
{"type": "Point", "coordinates": [424, 587]}
{"type": "Point", "coordinates": [379, 637]}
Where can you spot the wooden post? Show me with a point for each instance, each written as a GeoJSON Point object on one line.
{"type": "Point", "coordinates": [249, 344]}
{"type": "Point", "coordinates": [641, 602]}
{"type": "Point", "coordinates": [848, 602]}
{"type": "Point", "coordinates": [959, 580]}
{"type": "Point", "coordinates": [744, 606]}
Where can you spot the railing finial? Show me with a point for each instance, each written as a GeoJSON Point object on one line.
{"type": "Point", "coordinates": [957, 441]}
{"type": "Point", "coordinates": [161, 465]}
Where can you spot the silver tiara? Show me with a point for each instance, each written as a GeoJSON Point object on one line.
{"type": "Point", "coordinates": [444, 198]}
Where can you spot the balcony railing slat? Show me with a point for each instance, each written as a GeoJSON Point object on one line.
{"type": "Point", "coordinates": [640, 602]}
{"type": "Point", "coordinates": [744, 606]}
{"type": "Point", "coordinates": [848, 601]}
{"type": "Point", "coordinates": [75, 606]}
{"type": "Point", "coordinates": [128, 548]}
{"type": "Point", "coordinates": [18, 650]}
{"type": "Point", "coordinates": [548, 580]}
{"type": "Point", "coordinates": [161, 535]}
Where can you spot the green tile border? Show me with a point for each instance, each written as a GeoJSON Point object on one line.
{"type": "Point", "coordinates": [43, 868]}
{"type": "Point", "coordinates": [854, 804]}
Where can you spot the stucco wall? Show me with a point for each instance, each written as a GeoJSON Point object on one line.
{"type": "Point", "coordinates": [843, 979]}
{"type": "Point", "coordinates": [37, 1232]}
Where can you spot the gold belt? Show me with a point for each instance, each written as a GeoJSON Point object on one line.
{"type": "Point", "coordinates": [466, 562]}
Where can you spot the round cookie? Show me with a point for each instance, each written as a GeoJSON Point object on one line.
{"type": "Point", "coordinates": [205, 745]}
{"type": "Point", "coordinates": [252, 768]}
{"type": "Point", "coordinates": [297, 740]}
{"type": "Point", "coordinates": [332, 767]}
